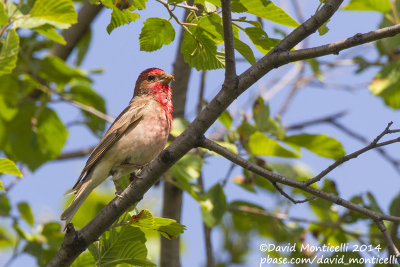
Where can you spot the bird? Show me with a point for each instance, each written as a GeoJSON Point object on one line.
{"type": "Point", "coordinates": [134, 139]}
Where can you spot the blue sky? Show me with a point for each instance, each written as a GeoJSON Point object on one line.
{"type": "Point", "coordinates": [119, 55]}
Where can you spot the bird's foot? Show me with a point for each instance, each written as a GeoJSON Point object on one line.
{"type": "Point", "coordinates": [135, 175]}
{"type": "Point", "coordinates": [130, 165]}
{"type": "Point", "coordinates": [118, 193]}
{"type": "Point", "coordinates": [118, 188]}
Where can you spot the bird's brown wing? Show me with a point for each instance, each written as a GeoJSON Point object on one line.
{"type": "Point", "coordinates": [128, 119]}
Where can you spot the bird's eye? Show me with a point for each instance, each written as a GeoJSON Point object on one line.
{"type": "Point", "coordinates": [151, 78]}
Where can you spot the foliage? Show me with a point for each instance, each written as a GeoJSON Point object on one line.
{"type": "Point", "coordinates": [32, 133]}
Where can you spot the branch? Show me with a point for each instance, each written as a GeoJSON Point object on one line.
{"type": "Point", "coordinates": [395, 163]}
{"type": "Point", "coordinates": [392, 247]}
{"type": "Point", "coordinates": [230, 66]}
{"type": "Point", "coordinates": [294, 201]}
{"type": "Point", "coordinates": [329, 118]}
{"type": "Point", "coordinates": [336, 47]}
{"type": "Point", "coordinates": [73, 35]}
{"type": "Point", "coordinates": [75, 154]}
{"type": "Point", "coordinates": [277, 178]}
{"type": "Point", "coordinates": [372, 145]}
{"type": "Point", "coordinates": [173, 196]}
{"type": "Point", "coordinates": [207, 230]}
{"type": "Point", "coordinates": [285, 217]}
{"type": "Point", "coordinates": [76, 242]}
{"type": "Point", "coordinates": [193, 8]}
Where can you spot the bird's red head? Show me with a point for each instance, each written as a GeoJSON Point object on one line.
{"type": "Point", "coordinates": [155, 82]}
{"type": "Point", "coordinates": [152, 81]}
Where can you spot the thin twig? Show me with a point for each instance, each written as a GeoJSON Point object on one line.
{"type": "Point", "coordinates": [88, 109]}
{"type": "Point", "coordinates": [183, 24]}
{"type": "Point", "coordinates": [201, 91]}
{"type": "Point", "coordinates": [372, 145]}
{"type": "Point", "coordinates": [392, 247]}
{"type": "Point", "coordinates": [274, 177]}
{"type": "Point", "coordinates": [75, 242]}
{"type": "Point", "coordinates": [75, 154]}
{"type": "Point", "coordinates": [230, 66]}
{"type": "Point", "coordinates": [193, 8]}
{"type": "Point", "coordinates": [336, 47]}
{"type": "Point", "coordinates": [394, 162]}
{"type": "Point", "coordinates": [228, 174]}
{"type": "Point", "coordinates": [294, 201]}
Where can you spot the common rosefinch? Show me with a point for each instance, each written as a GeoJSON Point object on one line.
{"type": "Point", "coordinates": [136, 137]}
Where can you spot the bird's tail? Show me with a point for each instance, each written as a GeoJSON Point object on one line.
{"type": "Point", "coordinates": [82, 192]}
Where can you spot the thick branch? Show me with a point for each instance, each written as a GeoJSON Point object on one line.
{"type": "Point", "coordinates": [230, 67]}
{"type": "Point", "coordinates": [86, 15]}
{"type": "Point", "coordinates": [173, 196]}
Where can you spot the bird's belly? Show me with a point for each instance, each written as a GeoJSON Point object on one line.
{"type": "Point", "coordinates": [142, 143]}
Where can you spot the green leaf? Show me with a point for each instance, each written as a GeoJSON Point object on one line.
{"type": "Point", "coordinates": [213, 205]}
{"type": "Point", "coordinates": [34, 136]}
{"type": "Point", "coordinates": [26, 212]}
{"type": "Point", "coordinates": [266, 10]}
{"type": "Point", "coordinates": [8, 166]}
{"type": "Point", "coordinates": [386, 84]}
{"type": "Point", "coordinates": [84, 260]}
{"type": "Point", "coordinates": [260, 39]}
{"type": "Point", "coordinates": [119, 18]}
{"type": "Point", "coordinates": [125, 244]}
{"type": "Point", "coordinates": [61, 11]}
{"type": "Point", "coordinates": [382, 6]}
{"type": "Point", "coordinates": [178, 126]}
{"type": "Point", "coordinates": [2, 187]}
{"type": "Point", "coordinates": [51, 33]}
{"type": "Point", "coordinates": [167, 227]}
{"type": "Point", "coordinates": [3, 15]}
{"type": "Point", "coordinates": [5, 206]}
{"type": "Point", "coordinates": [199, 47]}
{"type": "Point", "coordinates": [83, 93]}
{"type": "Point", "coordinates": [319, 144]}
{"type": "Point", "coordinates": [263, 121]}
{"type": "Point", "coordinates": [9, 52]}
{"type": "Point", "coordinates": [155, 33]}
{"type": "Point", "coordinates": [245, 51]}
{"type": "Point", "coordinates": [261, 145]}
{"type": "Point", "coordinates": [226, 119]}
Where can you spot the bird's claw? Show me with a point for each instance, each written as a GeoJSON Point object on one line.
{"type": "Point", "coordinates": [118, 194]}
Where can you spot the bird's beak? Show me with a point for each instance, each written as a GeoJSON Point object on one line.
{"type": "Point", "coordinates": [166, 78]}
